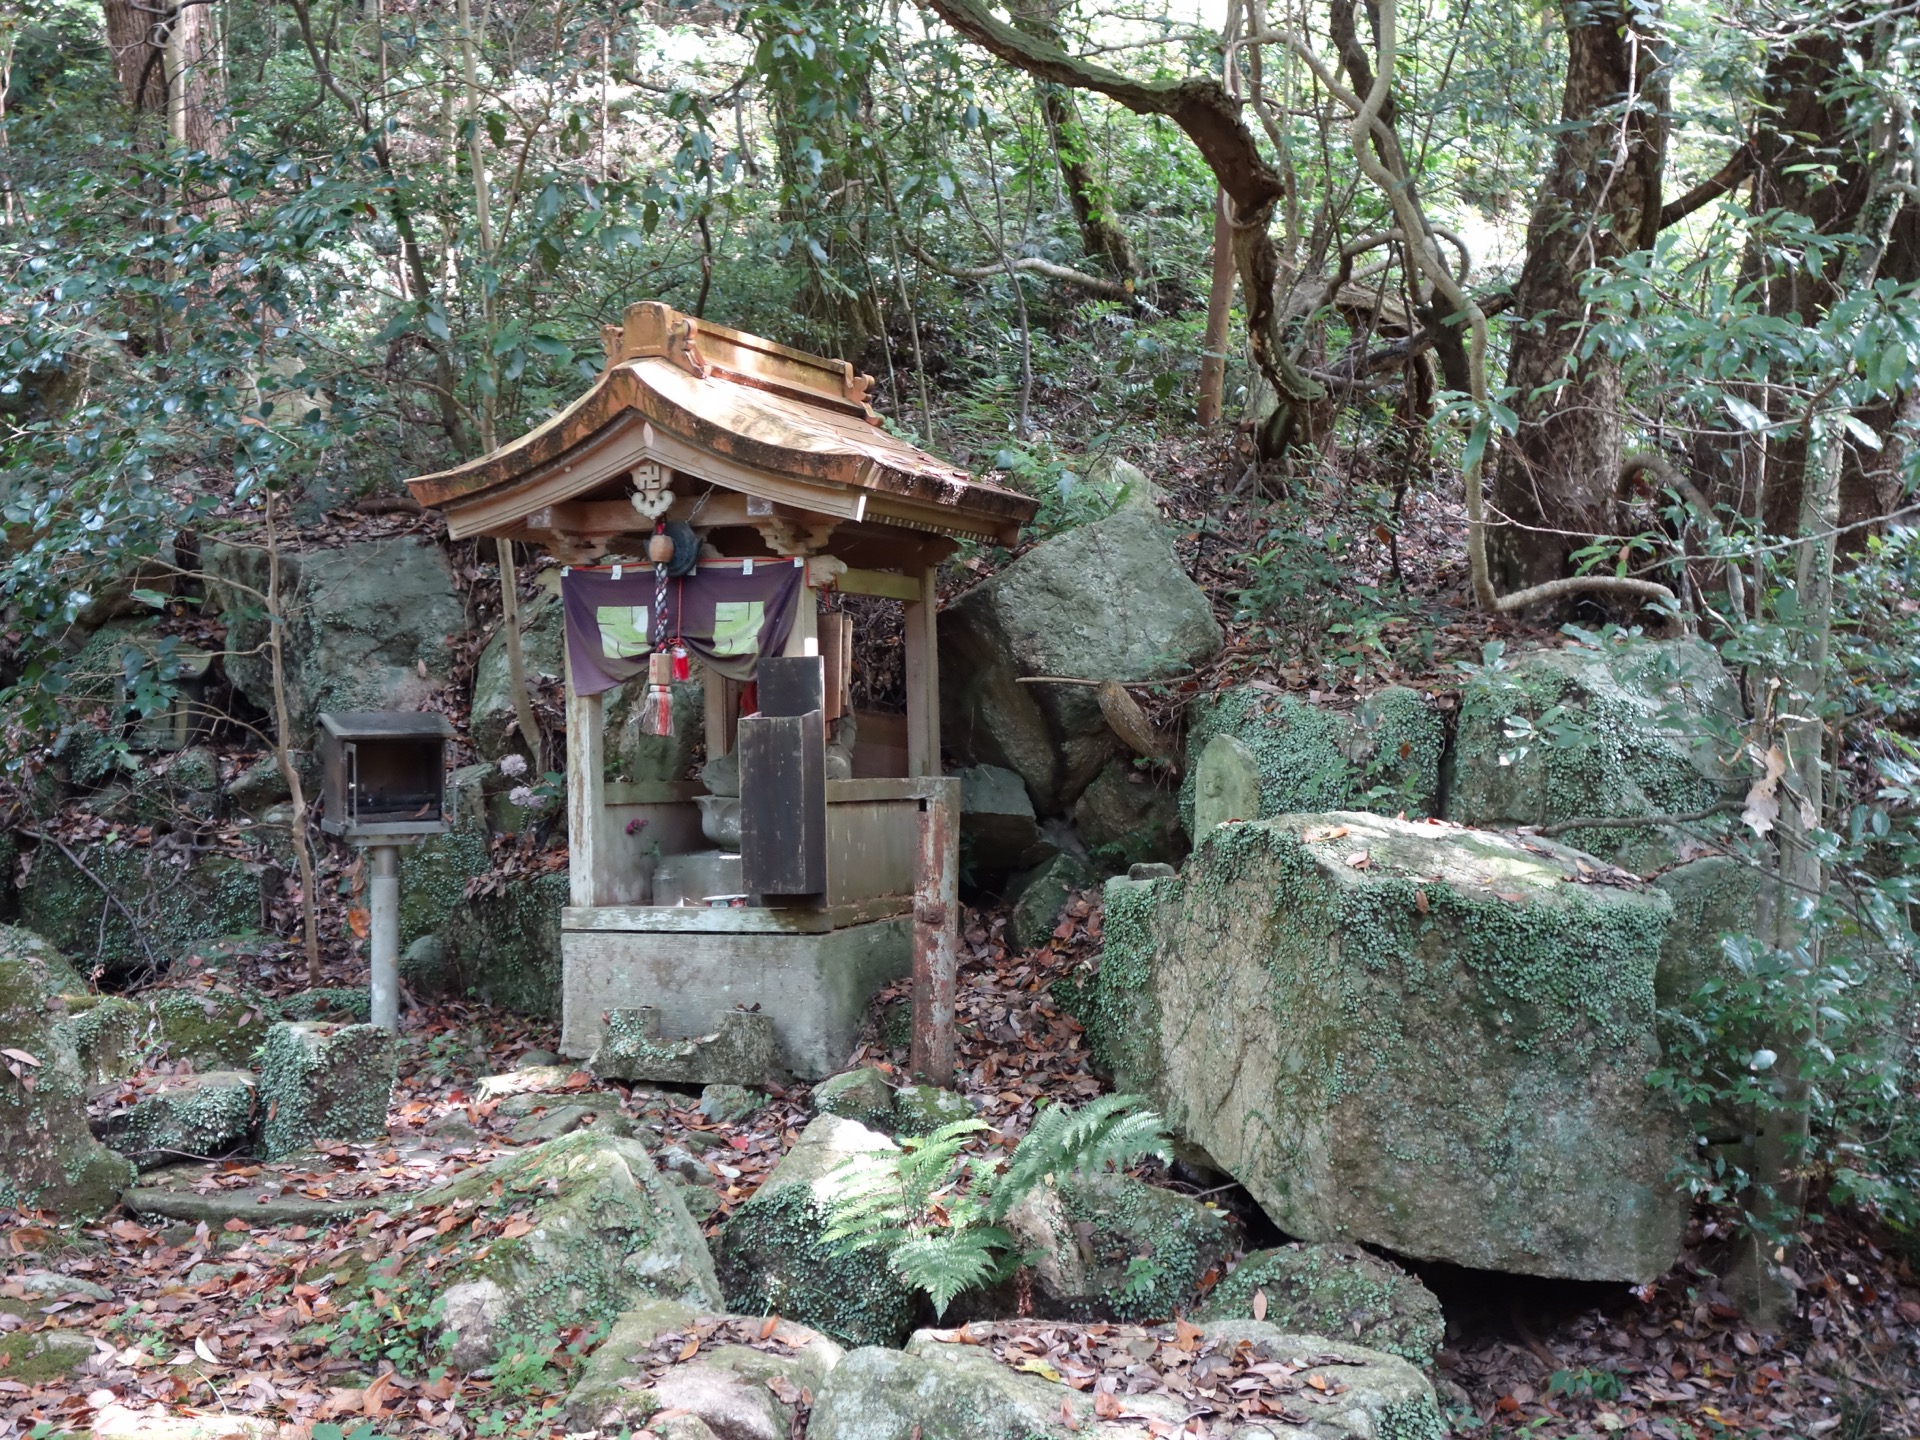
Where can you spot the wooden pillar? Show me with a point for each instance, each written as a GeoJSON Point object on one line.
{"type": "Point", "coordinates": [936, 924]}
{"type": "Point", "coordinates": [717, 692]}
{"type": "Point", "coordinates": [923, 681]}
{"type": "Point", "coordinates": [806, 623]}
{"type": "Point", "coordinates": [586, 783]}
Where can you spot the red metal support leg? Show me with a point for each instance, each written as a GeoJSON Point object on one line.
{"type": "Point", "coordinates": [936, 923]}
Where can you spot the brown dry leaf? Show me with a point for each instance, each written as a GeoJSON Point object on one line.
{"type": "Point", "coordinates": [515, 1228]}
{"type": "Point", "coordinates": [1259, 1304]}
{"type": "Point", "coordinates": [375, 1400]}
{"type": "Point", "coordinates": [688, 1350]}
{"type": "Point", "coordinates": [1763, 800]}
{"type": "Point", "coordinates": [1359, 859]}
{"type": "Point", "coordinates": [1317, 1382]}
{"type": "Point", "coordinates": [767, 1329]}
{"type": "Point", "coordinates": [1420, 901]}
{"type": "Point", "coordinates": [360, 922]}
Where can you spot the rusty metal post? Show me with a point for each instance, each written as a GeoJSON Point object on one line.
{"type": "Point", "coordinates": [936, 923]}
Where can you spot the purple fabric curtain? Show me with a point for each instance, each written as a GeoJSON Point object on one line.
{"type": "Point", "coordinates": [727, 612]}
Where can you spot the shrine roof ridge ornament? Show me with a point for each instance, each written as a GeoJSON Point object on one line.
{"type": "Point", "coordinates": [740, 412]}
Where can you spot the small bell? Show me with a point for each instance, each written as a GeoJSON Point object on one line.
{"type": "Point", "coordinates": [656, 711]}
{"type": "Point", "coordinates": [660, 548]}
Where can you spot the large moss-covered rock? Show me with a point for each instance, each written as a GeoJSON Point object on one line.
{"type": "Point", "coordinates": [213, 1030]}
{"type": "Point", "coordinates": [572, 1232]}
{"type": "Point", "coordinates": [943, 1388]}
{"type": "Point", "coordinates": [1109, 1247]}
{"type": "Point", "coordinates": [48, 1157]}
{"type": "Point", "coordinates": [1382, 754]}
{"type": "Point", "coordinates": [1128, 816]}
{"type": "Point", "coordinates": [772, 1259]}
{"type": "Point", "coordinates": [493, 721]}
{"type": "Point", "coordinates": [734, 1388]}
{"type": "Point", "coordinates": [178, 906]}
{"type": "Point", "coordinates": [62, 977]}
{"type": "Point", "coordinates": [187, 1117]}
{"type": "Point", "coordinates": [998, 831]}
{"type": "Point", "coordinates": [1337, 1290]}
{"type": "Point", "coordinates": [863, 1096]}
{"type": "Point", "coordinates": [1713, 897]}
{"type": "Point", "coordinates": [1105, 601]}
{"type": "Point", "coordinates": [1041, 895]}
{"type": "Point", "coordinates": [367, 624]}
{"type": "Point", "coordinates": [503, 947]}
{"type": "Point", "coordinates": [108, 1034]}
{"type": "Point", "coordinates": [1619, 730]}
{"type": "Point", "coordinates": [324, 1082]}
{"type": "Point", "coordinates": [1398, 1032]}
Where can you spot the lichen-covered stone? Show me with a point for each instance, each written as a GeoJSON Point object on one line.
{"type": "Point", "coordinates": [258, 787]}
{"type": "Point", "coordinates": [1712, 897]}
{"type": "Point", "coordinates": [604, 1230]}
{"type": "Point", "coordinates": [178, 905]}
{"type": "Point", "coordinates": [1128, 815]}
{"type": "Point", "coordinates": [941, 1389]}
{"type": "Point", "coordinates": [366, 627]}
{"type": "Point", "coordinates": [503, 947]}
{"type": "Point", "coordinates": [1226, 784]}
{"type": "Point", "coordinates": [492, 719]}
{"type": "Point", "coordinates": [726, 1387]}
{"type": "Point", "coordinates": [1105, 601]}
{"type": "Point", "coordinates": [1109, 1247]}
{"type": "Point", "coordinates": [324, 1082]}
{"type": "Point", "coordinates": [1337, 1290]}
{"type": "Point", "coordinates": [200, 1117]}
{"type": "Point", "coordinates": [862, 1096]}
{"type": "Point", "coordinates": [1623, 730]}
{"type": "Point", "coordinates": [1397, 1032]}
{"type": "Point", "coordinates": [741, 1051]}
{"type": "Point", "coordinates": [34, 1357]}
{"type": "Point", "coordinates": [48, 1157]}
{"type": "Point", "coordinates": [62, 977]}
{"type": "Point", "coordinates": [434, 876]}
{"type": "Point", "coordinates": [1381, 755]}
{"type": "Point", "coordinates": [108, 1035]}
{"type": "Point", "coordinates": [213, 1030]}
{"type": "Point", "coordinates": [335, 1003]}
{"type": "Point", "coordinates": [729, 1104]}
{"type": "Point", "coordinates": [1041, 896]}
{"type": "Point", "coordinates": [923, 1109]}
{"type": "Point", "coordinates": [772, 1260]}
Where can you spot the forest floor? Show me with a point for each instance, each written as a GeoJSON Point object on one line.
{"type": "Point", "coordinates": [1670, 1360]}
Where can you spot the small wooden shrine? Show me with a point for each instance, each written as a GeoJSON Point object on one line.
{"type": "Point", "coordinates": [707, 495]}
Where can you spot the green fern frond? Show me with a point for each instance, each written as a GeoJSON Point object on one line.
{"type": "Point", "coordinates": [948, 1262]}
{"type": "Point", "coordinates": [1113, 1130]}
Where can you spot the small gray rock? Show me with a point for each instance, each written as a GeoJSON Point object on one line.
{"type": "Point", "coordinates": [859, 1095]}
{"type": "Point", "coordinates": [725, 1104]}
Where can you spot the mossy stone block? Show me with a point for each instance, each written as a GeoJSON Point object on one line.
{"type": "Point", "coordinates": [190, 1117]}
{"type": "Point", "coordinates": [36, 1357]}
{"type": "Point", "coordinates": [48, 1157]}
{"type": "Point", "coordinates": [729, 1104]}
{"type": "Point", "coordinates": [1381, 755]}
{"type": "Point", "coordinates": [214, 1030]}
{"type": "Point", "coordinates": [178, 906]}
{"type": "Point", "coordinates": [606, 1230]}
{"type": "Point", "coordinates": [322, 1082]}
{"type": "Point", "coordinates": [1109, 1247]}
{"type": "Point", "coordinates": [862, 1096]}
{"type": "Point", "coordinates": [741, 1051]}
{"type": "Point", "coordinates": [1620, 730]}
{"type": "Point", "coordinates": [1128, 816]}
{"type": "Point", "coordinates": [62, 977]}
{"type": "Point", "coordinates": [1397, 1032]}
{"type": "Point", "coordinates": [1338, 1290]}
{"type": "Point", "coordinates": [772, 1259]}
{"type": "Point", "coordinates": [923, 1109]}
{"type": "Point", "coordinates": [1036, 908]}
{"type": "Point", "coordinates": [108, 1034]}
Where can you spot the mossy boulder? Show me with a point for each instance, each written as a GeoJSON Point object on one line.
{"type": "Point", "coordinates": [772, 1259]}
{"type": "Point", "coordinates": [503, 947]}
{"type": "Point", "coordinates": [862, 1096]}
{"type": "Point", "coordinates": [923, 1109]}
{"type": "Point", "coordinates": [323, 1082]}
{"type": "Point", "coordinates": [366, 624]}
{"type": "Point", "coordinates": [998, 831]}
{"type": "Point", "coordinates": [108, 1034]}
{"type": "Point", "coordinates": [187, 1117]}
{"type": "Point", "coordinates": [1042, 894]}
{"type": "Point", "coordinates": [1129, 815]}
{"type": "Point", "coordinates": [177, 906]}
{"type": "Point", "coordinates": [1713, 897]}
{"type": "Point", "coordinates": [940, 1388]}
{"type": "Point", "coordinates": [212, 1029]}
{"type": "Point", "coordinates": [36, 1357]}
{"type": "Point", "coordinates": [1105, 601]}
{"type": "Point", "coordinates": [48, 1157]}
{"type": "Point", "coordinates": [258, 787]}
{"type": "Point", "coordinates": [729, 1388]}
{"type": "Point", "coordinates": [572, 1232]}
{"type": "Point", "coordinates": [1337, 1290]}
{"type": "Point", "coordinates": [492, 720]}
{"type": "Point", "coordinates": [1109, 1247]}
{"type": "Point", "coordinates": [1398, 1032]}
{"type": "Point", "coordinates": [63, 978]}
{"type": "Point", "coordinates": [1382, 754]}
{"type": "Point", "coordinates": [1616, 730]}
{"type": "Point", "coordinates": [434, 876]}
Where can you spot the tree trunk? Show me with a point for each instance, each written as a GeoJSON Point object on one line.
{"type": "Point", "coordinates": [169, 64]}
{"type": "Point", "coordinates": [1211, 118]}
{"type": "Point", "coordinates": [1093, 210]}
{"type": "Point", "coordinates": [1213, 357]}
{"type": "Point", "coordinates": [1600, 200]}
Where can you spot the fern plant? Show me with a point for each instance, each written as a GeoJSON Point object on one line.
{"type": "Point", "coordinates": [936, 1209]}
